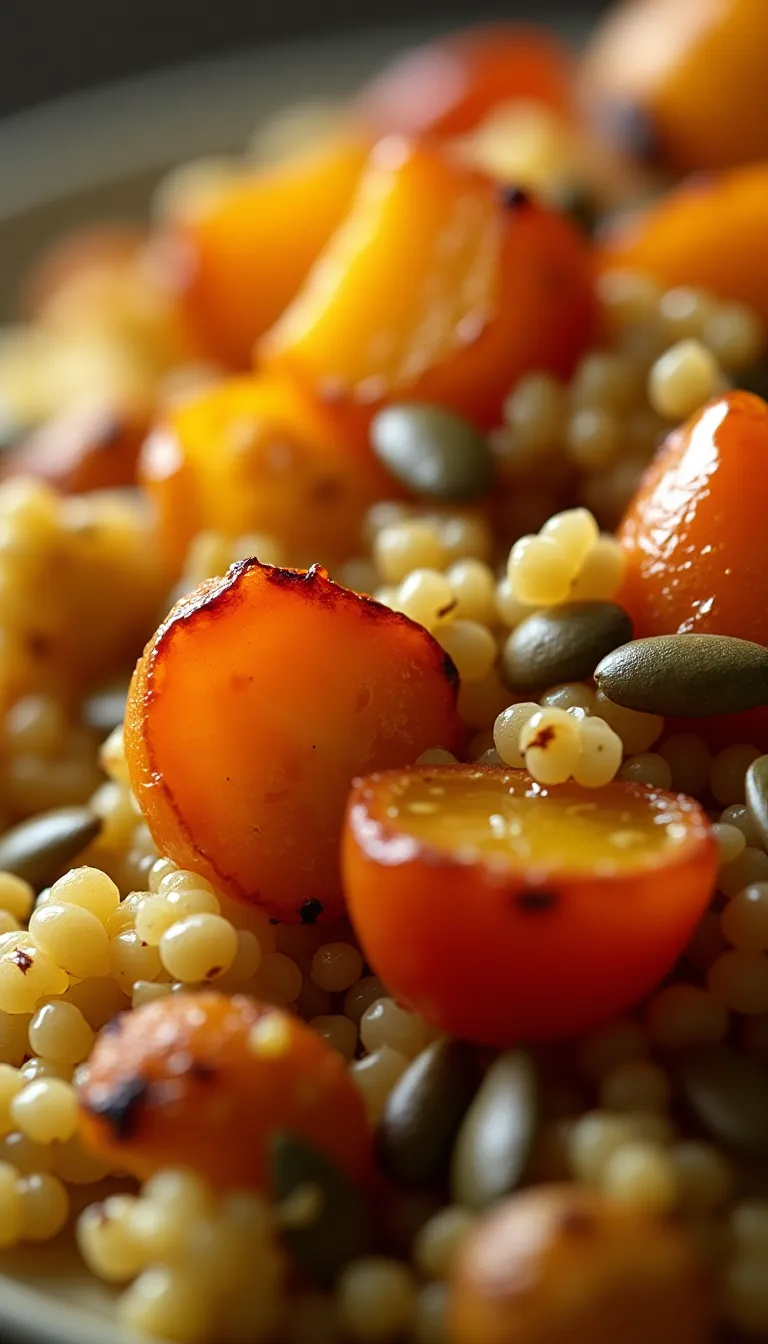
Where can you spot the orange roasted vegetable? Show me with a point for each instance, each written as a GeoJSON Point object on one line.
{"type": "Point", "coordinates": [260, 455]}
{"type": "Point", "coordinates": [682, 80]}
{"type": "Point", "coordinates": [710, 232]}
{"type": "Point", "coordinates": [257, 702]}
{"type": "Point", "coordinates": [89, 447]}
{"type": "Point", "coordinates": [694, 537]}
{"type": "Point", "coordinates": [203, 1081]}
{"type": "Point", "coordinates": [448, 86]}
{"type": "Point", "coordinates": [504, 910]}
{"type": "Point", "coordinates": [239, 258]}
{"type": "Point", "coordinates": [562, 1264]}
{"type": "Point", "coordinates": [440, 286]}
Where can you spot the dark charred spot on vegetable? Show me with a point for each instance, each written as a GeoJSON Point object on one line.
{"type": "Point", "coordinates": [576, 1222]}
{"type": "Point", "coordinates": [631, 128]}
{"type": "Point", "coordinates": [201, 1071]}
{"type": "Point", "coordinates": [209, 975]}
{"type": "Point", "coordinates": [543, 738]}
{"type": "Point", "coordinates": [310, 911]}
{"type": "Point", "coordinates": [447, 609]}
{"type": "Point", "coordinates": [121, 1107]}
{"type": "Point", "coordinates": [576, 201]}
{"type": "Point", "coordinates": [39, 645]}
{"type": "Point", "coordinates": [536, 902]}
{"type": "Point", "coordinates": [22, 959]}
{"type": "Point", "coordinates": [451, 671]}
{"type": "Point", "coordinates": [515, 198]}
{"type": "Point", "coordinates": [326, 491]}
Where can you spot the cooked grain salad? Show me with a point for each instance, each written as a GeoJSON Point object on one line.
{"type": "Point", "coordinates": [384, 949]}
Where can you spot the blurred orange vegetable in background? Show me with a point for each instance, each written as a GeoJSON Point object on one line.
{"type": "Point", "coordinates": [239, 256]}
{"type": "Point", "coordinates": [449, 85]}
{"type": "Point", "coordinates": [259, 455]}
{"type": "Point", "coordinates": [89, 447]}
{"type": "Point", "coordinates": [710, 232]}
{"type": "Point", "coordinates": [683, 80]}
{"type": "Point", "coordinates": [440, 286]}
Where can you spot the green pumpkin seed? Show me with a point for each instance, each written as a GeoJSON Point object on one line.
{"type": "Point", "coordinates": [728, 1094]}
{"type": "Point", "coordinates": [432, 451]}
{"type": "Point", "coordinates": [686, 675]}
{"type": "Point", "coordinates": [38, 849]}
{"type": "Point", "coordinates": [325, 1222]}
{"type": "Point", "coordinates": [424, 1111]}
{"type": "Point", "coordinates": [499, 1129]}
{"type": "Point", "coordinates": [757, 795]}
{"type": "Point", "coordinates": [563, 644]}
{"type": "Point", "coordinates": [105, 709]}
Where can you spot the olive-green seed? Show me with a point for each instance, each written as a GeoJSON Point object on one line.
{"type": "Point", "coordinates": [105, 709]}
{"type": "Point", "coordinates": [433, 452]}
{"type": "Point", "coordinates": [39, 848]}
{"type": "Point", "coordinates": [756, 793]}
{"type": "Point", "coordinates": [498, 1133]}
{"type": "Point", "coordinates": [326, 1223]}
{"type": "Point", "coordinates": [563, 643]}
{"type": "Point", "coordinates": [686, 675]}
{"type": "Point", "coordinates": [424, 1112]}
{"type": "Point", "coordinates": [728, 1094]}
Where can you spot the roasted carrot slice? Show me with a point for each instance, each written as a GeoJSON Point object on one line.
{"type": "Point", "coordinates": [257, 702]}
{"type": "Point", "coordinates": [204, 1080]}
{"type": "Point", "coordinates": [504, 910]}
{"type": "Point", "coordinates": [440, 286]}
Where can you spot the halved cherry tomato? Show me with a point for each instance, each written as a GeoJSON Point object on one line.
{"type": "Point", "coordinates": [203, 1080]}
{"type": "Point", "coordinates": [260, 455]}
{"type": "Point", "coordinates": [440, 286]}
{"type": "Point", "coordinates": [710, 232]}
{"type": "Point", "coordinates": [694, 538]}
{"type": "Point", "coordinates": [255, 705]}
{"type": "Point", "coordinates": [240, 258]}
{"type": "Point", "coordinates": [684, 80]}
{"type": "Point", "coordinates": [504, 911]}
{"type": "Point", "coordinates": [448, 86]}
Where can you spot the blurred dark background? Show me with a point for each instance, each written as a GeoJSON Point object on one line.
{"type": "Point", "coordinates": [51, 47]}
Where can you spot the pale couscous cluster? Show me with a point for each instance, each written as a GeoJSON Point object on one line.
{"type": "Point", "coordinates": [500, 1075]}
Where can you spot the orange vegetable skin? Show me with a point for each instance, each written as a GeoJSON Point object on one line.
{"type": "Point", "coordinates": [182, 1082]}
{"type": "Point", "coordinates": [710, 232]}
{"type": "Point", "coordinates": [448, 86]}
{"type": "Point", "coordinates": [93, 447]}
{"type": "Point", "coordinates": [534, 927]}
{"type": "Point", "coordinates": [438, 287]}
{"type": "Point", "coordinates": [242, 255]}
{"type": "Point", "coordinates": [694, 70]}
{"type": "Point", "coordinates": [694, 538]}
{"type": "Point", "coordinates": [258, 701]}
{"type": "Point", "coordinates": [259, 455]}
{"type": "Point", "coordinates": [563, 1265]}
